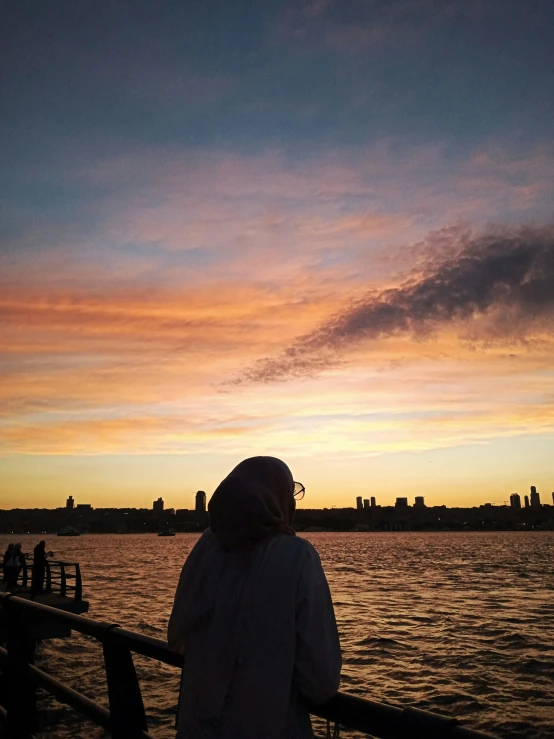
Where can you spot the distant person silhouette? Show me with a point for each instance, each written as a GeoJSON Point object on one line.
{"type": "Point", "coordinates": [19, 558]}
{"type": "Point", "coordinates": [9, 568]}
{"type": "Point", "coordinates": [253, 616]}
{"type": "Point", "coordinates": [39, 568]}
{"type": "Point", "coordinates": [7, 554]}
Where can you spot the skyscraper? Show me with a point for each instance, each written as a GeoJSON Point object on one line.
{"type": "Point", "coordinates": [70, 503]}
{"type": "Point", "coordinates": [374, 502]}
{"type": "Point", "coordinates": [419, 502]}
{"type": "Point", "coordinates": [401, 503]}
{"type": "Point", "coordinates": [515, 500]}
{"type": "Point", "coordinates": [527, 501]}
{"type": "Point", "coordinates": [158, 506]}
{"type": "Point", "coordinates": [535, 498]}
{"type": "Point", "coordinates": [366, 503]}
{"type": "Point", "coordinates": [200, 503]}
{"type": "Point", "coordinates": [359, 504]}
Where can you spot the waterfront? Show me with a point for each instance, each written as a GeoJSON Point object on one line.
{"type": "Point", "coordinates": [458, 623]}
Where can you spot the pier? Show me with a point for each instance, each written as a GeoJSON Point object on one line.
{"type": "Point", "coordinates": [62, 589]}
{"type": "Point", "coordinates": [126, 717]}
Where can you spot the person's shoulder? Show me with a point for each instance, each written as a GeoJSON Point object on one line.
{"type": "Point", "coordinates": [300, 546]}
{"type": "Point", "coordinates": [207, 542]}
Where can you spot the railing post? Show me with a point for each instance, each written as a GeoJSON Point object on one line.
{"type": "Point", "coordinates": [21, 692]}
{"type": "Point", "coordinates": [48, 578]}
{"type": "Point", "coordinates": [128, 718]}
{"type": "Point", "coordinates": [78, 583]}
{"type": "Point", "coordinates": [63, 581]}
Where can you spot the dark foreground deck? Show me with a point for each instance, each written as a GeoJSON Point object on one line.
{"type": "Point", "coordinates": [126, 717]}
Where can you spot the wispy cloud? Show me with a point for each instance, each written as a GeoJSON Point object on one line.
{"type": "Point", "coordinates": [506, 276]}
{"type": "Point", "coordinates": [370, 25]}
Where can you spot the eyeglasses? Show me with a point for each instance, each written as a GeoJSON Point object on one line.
{"type": "Point", "coordinates": [299, 490]}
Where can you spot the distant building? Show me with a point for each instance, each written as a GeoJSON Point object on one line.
{"type": "Point", "coordinates": [158, 506]}
{"type": "Point", "coordinates": [374, 503]}
{"type": "Point", "coordinates": [359, 504]}
{"type": "Point", "coordinates": [200, 503]}
{"type": "Point", "coordinates": [527, 501]}
{"type": "Point", "coordinates": [535, 498]}
{"type": "Point", "coordinates": [515, 500]}
{"type": "Point", "coordinates": [84, 507]}
{"type": "Point", "coordinates": [70, 503]}
{"type": "Point", "coordinates": [366, 504]}
{"type": "Point", "coordinates": [419, 502]}
{"type": "Point", "coordinates": [401, 503]}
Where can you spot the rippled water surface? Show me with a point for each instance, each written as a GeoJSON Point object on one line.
{"type": "Point", "coordinates": [459, 623]}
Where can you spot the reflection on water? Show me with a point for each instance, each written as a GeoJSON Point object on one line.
{"type": "Point", "coordinates": [459, 623]}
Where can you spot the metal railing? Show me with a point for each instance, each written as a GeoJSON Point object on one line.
{"type": "Point", "coordinates": [126, 717]}
{"type": "Point", "coordinates": [62, 578]}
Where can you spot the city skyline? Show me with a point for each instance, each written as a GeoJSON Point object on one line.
{"type": "Point", "coordinates": [370, 515]}
{"type": "Point", "coordinates": [320, 231]}
{"type": "Point", "coordinates": [199, 500]}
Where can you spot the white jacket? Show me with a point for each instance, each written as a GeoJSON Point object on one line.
{"type": "Point", "coordinates": [257, 632]}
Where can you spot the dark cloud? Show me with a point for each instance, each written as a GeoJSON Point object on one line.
{"type": "Point", "coordinates": [506, 278]}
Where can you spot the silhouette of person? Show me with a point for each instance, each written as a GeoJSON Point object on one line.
{"type": "Point", "coordinates": [19, 560]}
{"type": "Point", "coordinates": [39, 568]}
{"type": "Point", "coordinates": [253, 616]}
{"type": "Point", "coordinates": [8, 566]}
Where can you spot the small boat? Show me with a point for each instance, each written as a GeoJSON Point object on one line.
{"type": "Point", "coordinates": [69, 531]}
{"type": "Point", "coordinates": [166, 532]}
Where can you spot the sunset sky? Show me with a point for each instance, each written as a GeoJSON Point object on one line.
{"type": "Point", "coordinates": [319, 230]}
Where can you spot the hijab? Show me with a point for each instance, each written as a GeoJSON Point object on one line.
{"type": "Point", "coordinates": [255, 500]}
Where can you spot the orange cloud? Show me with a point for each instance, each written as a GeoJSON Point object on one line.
{"type": "Point", "coordinates": [233, 258]}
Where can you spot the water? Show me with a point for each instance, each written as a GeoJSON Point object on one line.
{"type": "Point", "coordinates": [459, 623]}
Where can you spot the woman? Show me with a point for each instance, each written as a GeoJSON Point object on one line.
{"type": "Point", "coordinates": [253, 616]}
{"type": "Point", "coordinates": [7, 565]}
{"type": "Point", "coordinates": [19, 559]}
{"type": "Point", "coordinates": [39, 568]}
{"type": "Point", "coordinates": [13, 562]}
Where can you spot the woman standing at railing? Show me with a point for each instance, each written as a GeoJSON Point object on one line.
{"type": "Point", "coordinates": [39, 567]}
{"type": "Point", "coordinates": [19, 561]}
{"type": "Point", "coordinates": [253, 615]}
{"type": "Point", "coordinates": [8, 566]}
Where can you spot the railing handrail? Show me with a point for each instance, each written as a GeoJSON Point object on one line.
{"type": "Point", "coordinates": [378, 719]}
{"type": "Point", "coordinates": [59, 576]}
{"type": "Point", "coordinates": [29, 559]}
